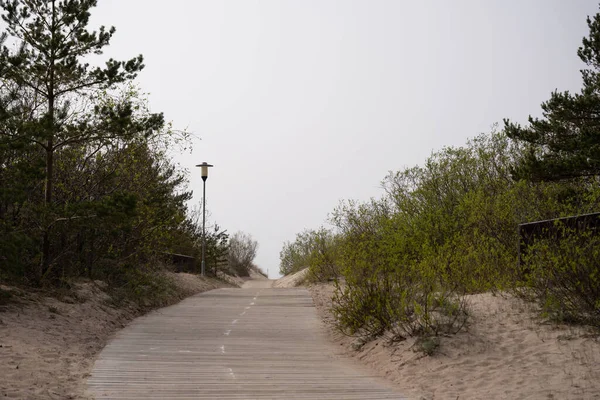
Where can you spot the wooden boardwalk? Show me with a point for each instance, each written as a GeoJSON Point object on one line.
{"type": "Point", "coordinates": [254, 343]}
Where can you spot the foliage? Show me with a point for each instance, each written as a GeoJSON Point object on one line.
{"type": "Point", "coordinates": [5, 297]}
{"type": "Point", "coordinates": [293, 257]}
{"type": "Point", "coordinates": [562, 273]}
{"type": "Point", "coordinates": [86, 184]}
{"type": "Point", "coordinates": [187, 240]}
{"type": "Point", "coordinates": [427, 344]}
{"type": "Point", "coordinates": [242, 251]}
{"type": "Point", "coordinates": [217, 250]}
{"type": "Point", "coordinates": [407, 261]}
{"type": "Point", "coordinates": [560, 270]}
{"type": "Point", "coordinates": [148, 287]}
{"type": "Point", "coordinates": [565, 143]}
{"type": "Point", "coordinates": [385, 288]}
{"type": "Point", "coordinates": [316, 250]}
{"type": "Point", "coordinates": [55, 106]}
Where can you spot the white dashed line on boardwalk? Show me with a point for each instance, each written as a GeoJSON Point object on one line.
{"type": "Point", "coordinates": [278, 351]}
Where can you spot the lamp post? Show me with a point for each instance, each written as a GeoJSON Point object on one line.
{"type": "Point", "coordinates": [204, 169]}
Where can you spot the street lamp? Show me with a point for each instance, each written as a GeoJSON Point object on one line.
{"type": "Point", "coordinates": [204, 168]}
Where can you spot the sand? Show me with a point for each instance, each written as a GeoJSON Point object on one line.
{"type": "Point", "coordinates": [507, 352]}
{"type": "Point", "coordinates": [292, 280]}
{"type": "Point", "coordinates": [48, 346]}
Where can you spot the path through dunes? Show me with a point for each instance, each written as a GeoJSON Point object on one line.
{"type": "Point", "coordinates": [250, 343]}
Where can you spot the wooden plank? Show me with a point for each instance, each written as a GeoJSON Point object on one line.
{"type": "Point", "coordinates": [254, 343]}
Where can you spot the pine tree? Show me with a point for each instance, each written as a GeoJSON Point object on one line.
{"type": "Point", "coordinates": [565, 143]}
{"type": "Point", "coordinates": [42, 57]}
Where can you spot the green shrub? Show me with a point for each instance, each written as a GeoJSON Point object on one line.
{"type": "Point", "coordinates": [316, 250]}
{"type": "Point", "coordinates": [563, 275]}
{"type": "Point", "coordinates": [441, 231]}
{"type": "Point", "coordinates": [146, 287]}
{"type": "Point", "coordinates": [5, 297]}
{"type": "Point", "coordinates": [427, 344]}
{"type": "Point", "coordinates": [408, 304]}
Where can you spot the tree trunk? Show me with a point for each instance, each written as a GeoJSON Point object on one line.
{"type": "Point", "coordinates": [91, 255]}
{"type": "Point", "coordinates": [45, 261]}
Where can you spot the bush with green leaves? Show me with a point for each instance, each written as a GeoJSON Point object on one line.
{"type": "Point", "coordinates": [385, 289]}
{"type": "Point", "coordinates": [316, 250]}
{"type": "Point", "coordinates": [561, 272]}
{"type": "Point", "coordinates": [448, 228]}
{"type": "Point", "coordinates": [441, 231]}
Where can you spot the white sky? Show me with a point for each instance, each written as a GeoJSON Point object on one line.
{"type": "Point", "coordinates": [303, 103]}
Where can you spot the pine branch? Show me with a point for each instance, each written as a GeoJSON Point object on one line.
{"type": "Point", "coordinates": [80, 87]}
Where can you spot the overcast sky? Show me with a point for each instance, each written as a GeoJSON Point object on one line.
{"type": "Point", "coordinates": [302, 103]}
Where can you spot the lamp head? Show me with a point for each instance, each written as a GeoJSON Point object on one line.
{"type": "Point", "coordinates": [204, 169]}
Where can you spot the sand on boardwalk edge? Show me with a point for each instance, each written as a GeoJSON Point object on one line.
{"type": "Point", "coordinates": [507, 352]}
{"type": "Point", "coordinates": [48, 346]}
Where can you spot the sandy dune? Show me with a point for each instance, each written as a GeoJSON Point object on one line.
{"type": "Point", "coordinates": [506, 353]}
{"type": "Point", "coordinates": [291, 280]}
{"type": "Point", "coordinates": [47, 346]}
